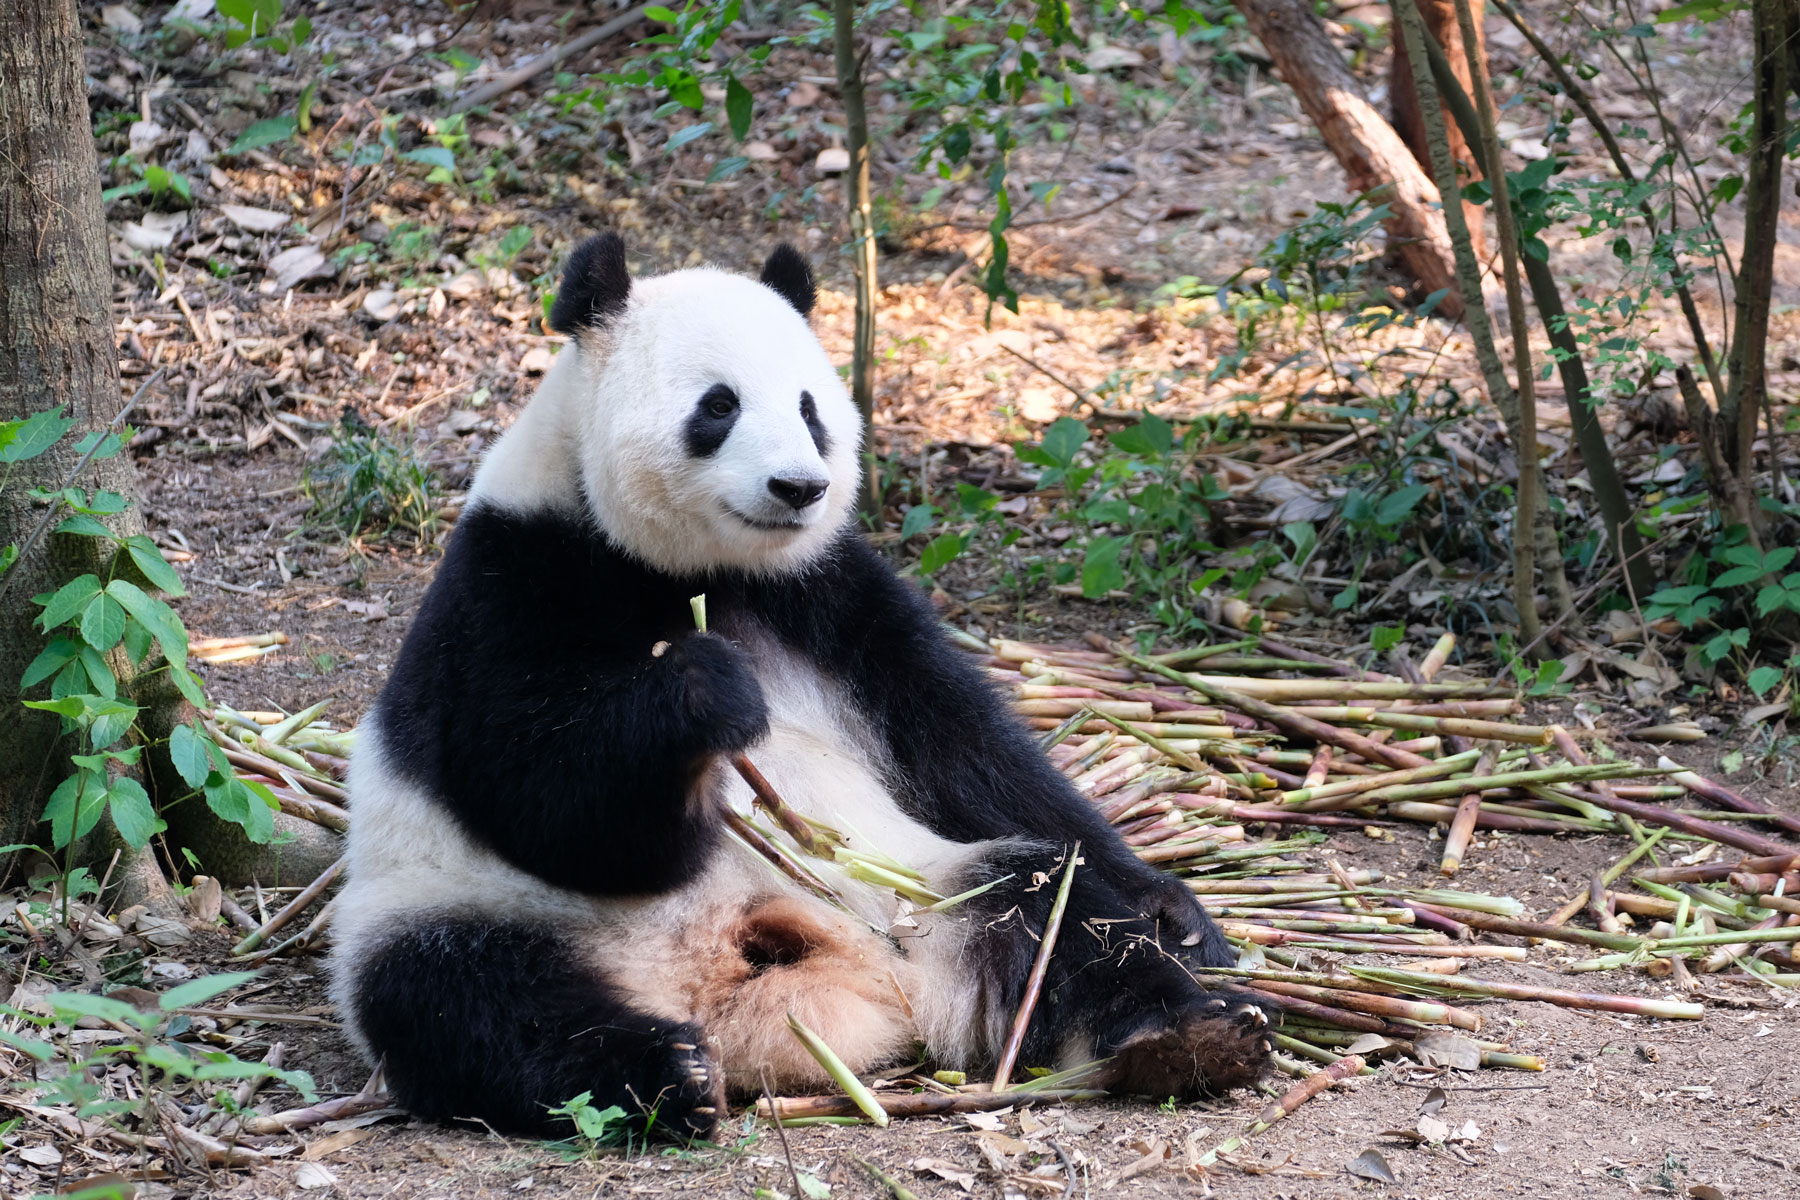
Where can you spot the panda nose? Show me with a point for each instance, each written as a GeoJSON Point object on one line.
{"type": "Point", "coordinates": [798, 493]}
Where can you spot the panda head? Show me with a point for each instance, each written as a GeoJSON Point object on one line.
{"type": "Point", "coordinates": [713, 431]}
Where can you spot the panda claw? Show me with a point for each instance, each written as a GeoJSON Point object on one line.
{"type": "Point", "coordinates": [682, 1045]}
{"type": "Point", "coordinates": [706, 1110]}
{"type": "Point", "coordinates": [1215, 1005]}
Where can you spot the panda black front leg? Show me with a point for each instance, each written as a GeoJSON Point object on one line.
{"type": "Point", "coordinates": [502, 1022]}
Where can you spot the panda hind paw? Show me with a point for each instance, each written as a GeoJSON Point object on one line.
{"type": "Point", "coordinates": [691, 1103]}
{"type": "Point", "coordinates": [1220, 1044]}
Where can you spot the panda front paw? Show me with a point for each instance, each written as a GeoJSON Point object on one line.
{"type": "Point", "coordinates": [720, 692]}
{"type": "Point", "coordinates": [1183, 922]}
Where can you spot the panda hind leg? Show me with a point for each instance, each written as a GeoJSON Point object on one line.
{"type": "Point", "coordinates": [503, 1022]}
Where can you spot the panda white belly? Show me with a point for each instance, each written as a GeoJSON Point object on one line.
{"type": "Point", "coordinates": [739, 947]}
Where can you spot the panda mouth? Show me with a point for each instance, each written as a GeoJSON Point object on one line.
{"type": "Point", "coordinates": [790, 525]}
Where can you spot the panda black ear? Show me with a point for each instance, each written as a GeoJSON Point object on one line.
{"type": "Point", "coordinates": [595, 285]}
{"type": "Point", "coordinates": [788, 273]}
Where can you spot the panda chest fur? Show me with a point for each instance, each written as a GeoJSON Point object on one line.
{"type": "Point", "coordinates": [825, 761]}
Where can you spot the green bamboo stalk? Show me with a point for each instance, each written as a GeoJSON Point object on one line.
{"type": "Point", "coordinates": [834, 1067]}
{"type": "Point", "coordinates": [1437, 985]}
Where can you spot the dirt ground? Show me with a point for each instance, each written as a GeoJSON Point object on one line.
{"type": "Point", "coordinates": [1185, 181]}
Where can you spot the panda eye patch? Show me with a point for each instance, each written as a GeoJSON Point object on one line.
{"type": "Point", "coordinates": [710, 423]}
{"type": "Point", "coordinates": [809, 412]}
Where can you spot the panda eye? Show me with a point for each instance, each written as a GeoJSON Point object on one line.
{"type": "Point", "coordinates": [720, 401]}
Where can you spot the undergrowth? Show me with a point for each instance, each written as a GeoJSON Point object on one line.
{"type": "Point", "coordinates": [370, 484]}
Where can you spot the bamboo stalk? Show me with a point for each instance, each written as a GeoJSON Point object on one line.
{"type": "Point", "coordinates": [854, 1089]}
{"type": "Point", "coordinates": [917, 1104]}
{"type": "Point", "coordinates": [1468, 810]}
{"type": "Point", "coordinates": [1034, 982]}
{"type": "Point", "coordinates": [292, 909]}
{"type": "Point", "coordinates": [1437, 984]}
{"type": "Point", "coordinates": [1345, 1068]}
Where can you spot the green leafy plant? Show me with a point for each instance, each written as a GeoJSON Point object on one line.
{"type": "Point", "coordinates": [96, 626]}
{"type": "Point", "coordinates": [369, 483]}
{"type": "Point", "coordinates": [168, 1069]}
{"type": "Point", "coordinates": [259, 23]}
{"type": "Point", "coordinates": [597, 1127]}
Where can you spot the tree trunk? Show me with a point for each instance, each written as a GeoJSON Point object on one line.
{"type": "Point", "coordinates": [1747, 364]}
{"type": "Point", "coordinates": [862, 236]}
{"type": "Point", "coordinates": [1371, 153]}
{"type": "Point", "coordinates": [1409, 119]}
{"type": "Point", "coordinates": [56, 347]}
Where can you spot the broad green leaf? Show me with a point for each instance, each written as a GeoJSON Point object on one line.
{"type": "Point", "coordinates": [188, 684]}
{"type": "Point", "coordinates": [940, 553]}
{"type": "Point", "coordinates": [237, 802]}
{"type": "Point", "coordinates": [35, 1047]}
{"type": "Point", "coordinates": [132, 813]}
{"type": "Point", "coordinates": [207, 987]}
{"type": "Point", "coordinates": [1304, 537]}
{"type": "Point", "coordinates": [738, 105]}
{"type": "Point", "coordinates": [102, 503]}
{"type": "Point", "coordinates": [21, 440]}
{"type": "Point", "coordinates": [71, 1006]}
{"type": "Point", "coordinates": [187, 750]}
{"type": "Point", "coordinates": [156, 616]}
{"type": "Point", "coordinates": [1777, 558]}
{"type": "Point", "coordinates": [656, 12]}
{"type": "Point", "coordinates": [973, 500]}
{"type": "Point", "coordinates": [156, 568]}
{"type": "Point", "coordinates": [1383, 638]}
{"type": "Point", "coordinates": [918, 519]}
{"type": "Point", "coordinates": [1398, 505]}
{"type": "Point", "coordinates": [82, 525]}
{"type": "Point", "coordinates": [1150, 437]}
{"type": "Point", "coordinates": [49, 661]}
{"type": "Point", "coordinates": [102, 623]}
{"type": "Point", "coordinates": [75, 807]}
{"type": "Point", "coordinates": [137, 641]}
{"type": "Point", "coordinates": [682, 137]}
{"type": "Point", "coordinates": [112, 720]}
{"type": "Point", "coordinates": [264, 133]}
{"type": "Point", "coordinates": [263, 807]}
{"type": "Point", "coordinates": [100, 676]}
{"type": "Point", "coordinates": [1063, 439]}
{"type": "Point", "coordinates": [1100, 569]}
{"type": "Point", "coordinates": [432, 156]}
{"type": "Point", "coordinates": [725, 168]}
{"type": "Point", "coordinates": [1738, 577]}
{"type": "Point", "coordinates": [71, 707]}
{"type": "Point", "coordinates": [1763, 680]}
{"type": "Point", "coordinates": [68, 601]}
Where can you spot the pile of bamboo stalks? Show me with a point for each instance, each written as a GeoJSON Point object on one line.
{"type": "Point", "coordinates": [1226, 765]}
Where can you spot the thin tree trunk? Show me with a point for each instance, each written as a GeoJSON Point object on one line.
{"type": "Point", "coordinates": [1468, 273]}
{"type": "Point", "coordinates": [1409, 119]}
{"type": "Point", "coordinates": [1541, 543]}
{"type": "Point", "coordinates": [862, 236]}
{"type": "Point", "coordinates": [1371, 153]}
{"type": "Point", "coordinates": [56, 347]}
{"type": "Point", "coordinates": [1609, 490]}
{"type": "Point", "coordinates": [1747, 362]}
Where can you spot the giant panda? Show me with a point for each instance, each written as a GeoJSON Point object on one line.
{"type": "Point", "coordinates": [542, 897]}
